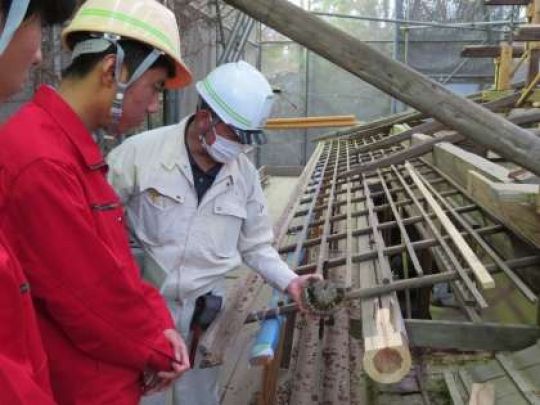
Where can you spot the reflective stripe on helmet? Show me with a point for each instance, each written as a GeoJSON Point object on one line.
{"type": "Point", "coordinates": [212, 93]}
{"type": "Point", "coordinates": [112, 15]}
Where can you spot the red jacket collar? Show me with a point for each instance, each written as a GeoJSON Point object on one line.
{"type": "Point", "coordinates": [49, 100]}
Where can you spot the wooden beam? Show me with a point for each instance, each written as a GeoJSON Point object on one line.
{"type": "Point", "coordinates": [470, 335]}
{"type": "Point", "coordinates": [489, 51]}
{"type": "Point", "coordinates": [536, 12]}
{"type": "Point", "coordinates": [507, 2]}
{"type": "Point", "coordinates": [524, 118]}
{"type": "Point", "coordinates": [382, 124]}
{"type": "Point", "coordinates": [312, 122]}
{"type": "Point", "coordinates": [482, 275]}
{"type": "Point", "coordinates": [396, 79]}
{"type": "Point", "coordinates": [512, 204]}
{"type": "Point", "coordinates": [526, 33]}
{"type": "Point", "coordinates": [431, 127]}
{"type": "Point", "coordinates": [399, 157]}
{"type": "Point", "coordinates": [482, 394]}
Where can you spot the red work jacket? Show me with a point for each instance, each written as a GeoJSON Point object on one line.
{"type": "Point", "coordinates": [24, 376]}
{"type": "Point", "coordinates": [101, 324]}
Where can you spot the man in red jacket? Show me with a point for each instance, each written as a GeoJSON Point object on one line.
{"type": "Point", "coordinates": [102, 327]}
{"type": "Point", "coordinates": [24, 374]}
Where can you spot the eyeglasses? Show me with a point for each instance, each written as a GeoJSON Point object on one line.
{"type": "Point", "coordinates": [245, 137]}
{"type": "Point", "coordinates": [249, 137]}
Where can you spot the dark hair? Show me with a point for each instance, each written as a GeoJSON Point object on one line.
{"type": "Point", "coordinates": [134, 51]}
{"type": "Point", "coordinates": [51, 11]}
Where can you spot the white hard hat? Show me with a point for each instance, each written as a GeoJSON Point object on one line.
{"type": "Point", "coordinates": [239, 94]}
{"type": "Point", "coordinates": [146, 21]}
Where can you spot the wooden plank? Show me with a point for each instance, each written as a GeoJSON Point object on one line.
{"type": "Point", "coordinates": [489, 51]}
{"type": "Point", "coordinates": [396, 79]}
{"type": "Point", "coordinates": [306, 374]}
{"type": "Point", "coordinates": [482, 394]}
{"type": "Point", "coordinates": [507, 2]}
{"type": "Point", "coordinates": [453, 389]}
{"type": "Point", "coordinates": [512, 204]}
{"type": "Point", "coordinates": [483, 245]}
{"type": "Point", "coordinates": [470, 335]}
{"type": "Point", "coordinates": [346, 275]}
{"type": "Point", "coordinates": [336, 380]}
{"type": "Point", "coordinates": [482, 275]}
{"type": "Point", "coordinates": [529, 32]}
{"type": "Point", "coordinates": [524, 386]}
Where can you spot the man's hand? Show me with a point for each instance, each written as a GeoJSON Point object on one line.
{"type": "Point", "coordinates": [179, 367]}
{"type": "Point", "coordinates": [295, 288]}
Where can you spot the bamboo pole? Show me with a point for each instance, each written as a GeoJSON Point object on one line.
{"type": "Point", "coordinates": [397, 79]}
{"type": "Point", "coordinates": [482, 275]}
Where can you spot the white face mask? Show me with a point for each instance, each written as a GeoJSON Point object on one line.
{"type": "Point", "coordinates": [223, 150]}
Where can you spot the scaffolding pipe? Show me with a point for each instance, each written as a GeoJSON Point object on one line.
{"type": "Point", "coordinates": [473, 25]}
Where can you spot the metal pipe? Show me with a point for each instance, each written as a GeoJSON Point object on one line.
{"type": "Point", "coordinates": [467, 25]}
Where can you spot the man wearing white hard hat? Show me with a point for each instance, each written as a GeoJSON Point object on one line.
{"type": "Point", "coordinates": [24, 371]}
{"type": "Point", "coordinates": [196, 205]}
{"type": "Point", "coordinates": [109, 335]}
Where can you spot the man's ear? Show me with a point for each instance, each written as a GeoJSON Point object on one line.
{"type": "Point", "coordinates": [107, 71]}
{"type": "Point", "coordinates": [204, 120]}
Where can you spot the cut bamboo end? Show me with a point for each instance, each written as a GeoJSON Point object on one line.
{"type": "Point", "coordinates": [388, 365]}
{"type": "Point", "coordinates": [387, 358]}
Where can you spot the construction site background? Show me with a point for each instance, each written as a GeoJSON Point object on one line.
{"type": "Point", "coordinates": [308, 84]}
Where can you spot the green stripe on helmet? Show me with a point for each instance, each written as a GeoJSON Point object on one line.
{"type": "Point", "coordinates": [212, 93]}
{"type": "Point", "coordinates": [160, 36]}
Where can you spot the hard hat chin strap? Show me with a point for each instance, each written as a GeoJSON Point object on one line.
{"type": "Point", "coordinates": [96, 45]}
{"type": "Point", "coordinates": [13, 20]}
{"type": "Point", "coordinates": [122, 87]}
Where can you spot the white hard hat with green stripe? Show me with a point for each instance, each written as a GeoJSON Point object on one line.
{"type": "Point", "coordinates": [146, 21]}
{"type": "Point", "coordinates": [240, 95]}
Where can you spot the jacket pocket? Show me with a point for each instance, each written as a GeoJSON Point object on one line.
{"type": "Point", "coordinates": [227, 219]}
{"type": "Point", "coordinates": [111, 228]}
{"type": "Point", "coordinates": [158, 217]}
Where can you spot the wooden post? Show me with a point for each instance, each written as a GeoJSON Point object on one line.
{"type": "Point", "coordinates": [397, 79]}
{"type": "Point", "coordinates": [505, 67]}
{"type": "Point", "coordinates": [534, 54]}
